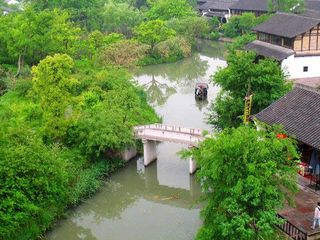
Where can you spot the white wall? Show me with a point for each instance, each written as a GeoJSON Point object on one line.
{"type": "Point", "coordinates": [294, 66]}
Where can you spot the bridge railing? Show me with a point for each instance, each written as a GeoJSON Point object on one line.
{"type": "Point", "coordinates": [158, 126]}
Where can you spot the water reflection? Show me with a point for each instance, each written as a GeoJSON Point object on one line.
{"type": "Point", "coordinates": [211, 49]}
{"type": "Point", "coordinates": [131, 194]}
{"type": "Point", "coordinates": [158, 92]}
{"type": "Point", "coordinates": [201, 104]}
{"type": "Point", "coordinates": [181, 72]}
{"type": "Point", "coordinates": [164, 80]}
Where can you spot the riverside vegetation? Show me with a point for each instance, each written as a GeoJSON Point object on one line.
{"type": "Point", "coordinates": [68, 102]}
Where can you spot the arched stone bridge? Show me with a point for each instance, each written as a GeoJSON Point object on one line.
{"type": "Point", "coordinates": [150, 134]}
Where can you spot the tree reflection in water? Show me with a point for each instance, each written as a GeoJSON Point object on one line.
{"type": "Point", "coordinates": [158, 93]}
{"type": "Point", "coordinates": [181, 72]}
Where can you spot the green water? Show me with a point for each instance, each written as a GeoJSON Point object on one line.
{"type": "Point", "coordinates": [161, 201]}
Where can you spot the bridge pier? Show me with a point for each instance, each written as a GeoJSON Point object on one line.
{"type": "Point", "coordinates": [192, 166]}
{"type": "Point", "coordinates": [149, 151]}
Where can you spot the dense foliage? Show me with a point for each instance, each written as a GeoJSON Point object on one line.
{"type": "Point", "coordinates": [57, 126]}
{"type": "Point", "coordinates": [243, 76]}
{"type": "Point", "coordinates": [27, 37]}
{"type": "Point", "coordinates": [69, 105]}
{"type": "Point", "coordinates": [246, 176]}
{"type": "Point", "coordinates": [242, 24]}
{"type": "Point", "coordinates": [168, 9]}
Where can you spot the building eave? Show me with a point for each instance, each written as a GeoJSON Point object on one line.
{"type": "Point", "coordinates": [269, 50]}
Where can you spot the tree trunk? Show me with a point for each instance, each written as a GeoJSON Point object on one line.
{"type": "Point", "coordinates": [20, 65]}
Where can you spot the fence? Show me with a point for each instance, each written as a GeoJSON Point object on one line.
{"type": "Point", "coordinates": [293, 231]}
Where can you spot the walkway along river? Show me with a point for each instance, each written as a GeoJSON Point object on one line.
{"type": "Point", "coordinates": [159, 202]}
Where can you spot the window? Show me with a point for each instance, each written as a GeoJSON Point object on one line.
{"type": "Point", "coordinates": [276, 40]}
{"type": "Point", "coordinates": [305, 69]}
{"type": "Point", "coordinates": [263, 37]}
{"type": "Point", "coordinates": [288, 42]}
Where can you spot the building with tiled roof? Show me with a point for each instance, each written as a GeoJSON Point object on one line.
{"type": "Point", "coordinates": [293, 40]}
{"type": "Point", "coordinates": [216, 8]}
{"type": "Point", "coordinates": [224, 9]}
{"type": "Point", "coordinates": [299, 113]}
{"type": "Point", "coordinates": [257, 7]}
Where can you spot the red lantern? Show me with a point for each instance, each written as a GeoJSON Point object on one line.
{"type": "Point", "coordinates": [281, 135]}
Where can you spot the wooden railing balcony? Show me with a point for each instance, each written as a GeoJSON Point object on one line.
{"type": "Point", "coordinates": [291, 230]}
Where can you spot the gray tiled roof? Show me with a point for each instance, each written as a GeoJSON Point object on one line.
{"type": "Point", "coordinates": [269, 50]}
{"type": "Point", "coordinates": [299, 113]}
{"type": "Point", "coordinates": [311, 13]}
{"type": "Point", "coordinates": [217, 4]}
{"type": "Point", "coordinates": [214, 14]}
{"type": "Point", "coordinates": [313, 82]}
{"type": "Point", "coordinates": [287, 25]}
{"type": "Point", "coordinates": [313, 5]}
{"type": "Point", "coordinates": [251, 5]}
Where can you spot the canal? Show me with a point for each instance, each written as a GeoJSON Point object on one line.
{"type": "Point", "coordinates": [161, 201]}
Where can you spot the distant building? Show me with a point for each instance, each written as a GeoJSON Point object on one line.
{"type": "Point", "coordinates": [228, 8]}
{"type": "Point", "coordinates": [216, 8]}
{"type": "Point", "coordinates": [258, 7]}
{"type": "Point", "coordinates": [293, 40]}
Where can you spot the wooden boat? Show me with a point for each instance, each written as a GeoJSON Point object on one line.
{"type": "Point", "coordinates": [201, 91]}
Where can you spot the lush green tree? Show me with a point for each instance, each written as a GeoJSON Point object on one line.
{"type": "Point", "coordinates": [243, 24]}
{"type": "Point", "coordinates": [190, 27]}
{"type": "Point", "coordinates": [29, 36]}
{"type": "Point", "coordinates": [240, 42]}
{"type": "Point", "coordinates": [176, 47]}
{"type": "Point", "coordinates": [53, 87]}
{"type": "Point", "coordinates": [34, 183]}
{"type": "Point", "coordinates": [92, 44]}
{"type": "Point", "coordinates": [243, 75]}
{"type": "Point", "coordinates": [296, 6]}
{"type": "Point", "coordinates": [125, 53]}
{"type": "Point", "coordinates": [121, 18]}
{"type": "Point", "coordinates": [85, 12]}
{"type": "Point", "coordinates": [246, 175]}
{"type": "Point", "coordinates": [167, 9]}
{"type": "Point", "coordinates": [110, 108]}
{"type": "Point", "coordinates": [153, 32]}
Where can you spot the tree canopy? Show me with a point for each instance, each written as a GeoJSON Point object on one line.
{"type": "Point", "coordinates": [85, 12]}
{"type": "Point", "coordinates": [244, 75]}
{"type": "Point", "coordinates": [243, 24]}
{"type": "Point", "coordinates": [53, 87]}
{"type": "Point", "coordinates": [121, 18]}
{"type": "Point", "coordinates": [29, 36]}
{"type": "Point", "coordinates": [167, 9]}
{"type": "Point", "coordinates": [153, 32]}
{"type": "Point", "coordinates": [247, 175]}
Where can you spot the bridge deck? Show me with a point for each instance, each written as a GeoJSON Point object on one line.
{"type": "Point", "coordinates": [160, 132]}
